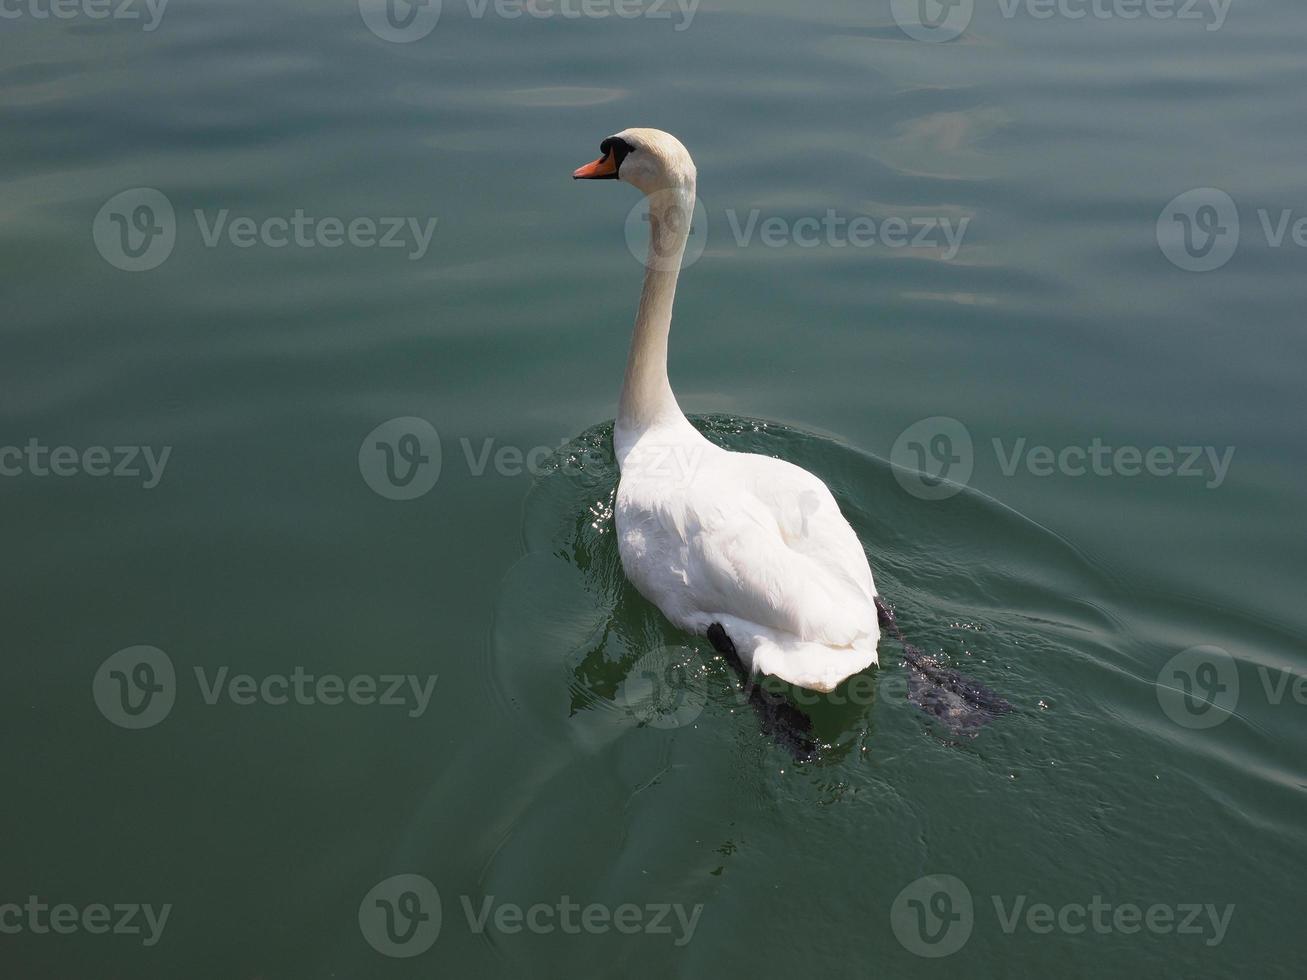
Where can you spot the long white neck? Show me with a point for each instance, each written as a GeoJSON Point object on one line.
{"type": "Point", "coordinates": [647, 398]}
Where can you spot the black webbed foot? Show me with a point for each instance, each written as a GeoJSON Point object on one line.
{"type": "Point", "coordinates": [886, 616]}
{"type": "Point", "coordinates": [960, 702]}
{"type": "Point", "coordinates": [722, 643]}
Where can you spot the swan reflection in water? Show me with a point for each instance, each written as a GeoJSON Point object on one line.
{"type": "Point", "coordinates": [669, 687]}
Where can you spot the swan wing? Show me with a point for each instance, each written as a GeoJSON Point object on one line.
{"type": "Point", "coordinates": [810, 519]}
{"type": "Point", "coordinates": [759, 541]}
{"type": "Point", "coordinates": [773, 548]}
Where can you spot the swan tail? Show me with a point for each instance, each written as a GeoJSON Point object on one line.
{"type": "Point", "coordinates": [814, 666]}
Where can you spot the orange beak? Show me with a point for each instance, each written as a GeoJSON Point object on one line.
{"type": "Point", "coordinates": [605, 168]}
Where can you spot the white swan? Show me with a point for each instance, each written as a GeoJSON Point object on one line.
{"type": "Point", "coordinates": [751, 551]}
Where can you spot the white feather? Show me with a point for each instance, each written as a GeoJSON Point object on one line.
{"type": "Point", "coordinates": [753, 543]}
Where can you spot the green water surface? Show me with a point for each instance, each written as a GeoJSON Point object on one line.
{"type": "Point", "coordinates": [270, 817]}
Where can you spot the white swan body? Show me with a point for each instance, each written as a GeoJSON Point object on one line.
{"type": "Point", "coordinates": [749, 542]}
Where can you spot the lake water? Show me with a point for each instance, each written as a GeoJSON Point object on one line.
{"type": "Point", "coordinates": [1024, 286]}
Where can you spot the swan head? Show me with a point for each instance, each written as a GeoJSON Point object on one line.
{"type": "Point", "coordinates": [647, 159]}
